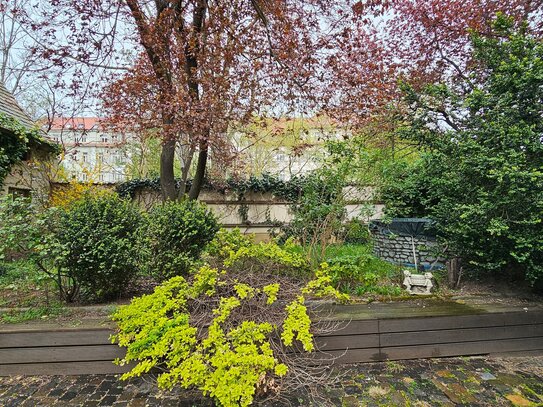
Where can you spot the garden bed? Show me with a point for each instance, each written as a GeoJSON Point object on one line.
{"type": "Point", "coordinates": [365, 333]}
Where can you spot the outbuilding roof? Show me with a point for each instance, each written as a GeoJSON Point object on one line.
{"type": "Point", "coordinates": [10, 107]}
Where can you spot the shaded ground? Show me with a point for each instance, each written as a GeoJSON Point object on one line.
{"type": "Point", "coordinates": [435, 382]}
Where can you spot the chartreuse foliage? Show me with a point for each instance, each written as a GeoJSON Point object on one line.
{"type": "Point", "coordinates": [481, 177]}
{"type": "Point", "coordinates": [226, 242]}
{"type": "Point", "coordinates": [230, 355]}
{"type": "Point", "coordinates": [266, 252]}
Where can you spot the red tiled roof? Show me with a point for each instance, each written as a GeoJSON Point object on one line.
{"type": "Point", "coordinates": [76, 123]}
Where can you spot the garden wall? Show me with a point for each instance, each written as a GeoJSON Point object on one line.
{"type": "Point", "coordinates": [398, 249]}
{"type": "Point", "coordinates": [257, 212]}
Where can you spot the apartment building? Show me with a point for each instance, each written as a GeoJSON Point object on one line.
{"type": "Point", "coordinates": [92, 151]}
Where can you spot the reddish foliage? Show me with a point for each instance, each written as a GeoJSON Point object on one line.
{"type": "Point", "coordinates": [201, 64]}
{"type": "Point", "coordinates": [419, 41]}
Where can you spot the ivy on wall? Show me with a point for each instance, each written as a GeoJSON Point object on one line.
{"type": "Point", "coordinates": [15, 143]}
{"type": "Point", "coordinates": [288, 190]}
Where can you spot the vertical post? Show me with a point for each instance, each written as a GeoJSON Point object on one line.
{"type": "Point", "coordinates": [414, 253]}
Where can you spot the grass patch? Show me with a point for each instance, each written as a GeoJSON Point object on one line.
{"type": "Point", "coordinates": [16, 316]}
{"type": "Point", "coordinates": [22, 284]}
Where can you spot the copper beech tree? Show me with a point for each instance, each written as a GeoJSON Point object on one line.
{"type": "Point", "coordinates": [414, 41]}
{"type": "Point", "coordinates": [186, 70]}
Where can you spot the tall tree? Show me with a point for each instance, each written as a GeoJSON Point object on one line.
{"type": "Point", "coordinates": [415, 41]}
{"type": "Point", "coordinates": [198, 65]}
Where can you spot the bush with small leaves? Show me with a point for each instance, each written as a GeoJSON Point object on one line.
{"type": "Point", "coordinates": [176, 235]}
{"type": "Point", "coordinates": [97, 236]}
{"type": "Point", "coordinates": [232, 333]}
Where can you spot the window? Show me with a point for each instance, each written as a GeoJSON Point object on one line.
{"type": "Point", "coordinates": [85, 157]}
{"type": "Point", "coordinates": [83, 138]}
{"type": "Point", "coordinates": [19, 192]}
{"type": "Point", "coordinates": [114, 138]}
{"type": "Point", "coordinates": [101, 177]}
{"type": "Point", "coordinates": [103, 138]}
{"type": "Point", "coordinates": [84, 176]}
{"type": "Point", "coordinates": [100, 157]}
{"type": "Point", "coordinates": [280, 157]}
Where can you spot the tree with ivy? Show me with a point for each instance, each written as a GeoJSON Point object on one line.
{"type": "Point", "coordinates": [481, 177]}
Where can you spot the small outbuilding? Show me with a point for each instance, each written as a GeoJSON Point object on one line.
{"type": "Point", "coordinates": [25, 155]}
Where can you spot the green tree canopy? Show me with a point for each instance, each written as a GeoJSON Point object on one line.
{"type": "Point", "coordinates": [481, 177]}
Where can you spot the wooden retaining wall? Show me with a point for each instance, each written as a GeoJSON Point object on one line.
{"type": "Point", "coordinates": [89, 351]}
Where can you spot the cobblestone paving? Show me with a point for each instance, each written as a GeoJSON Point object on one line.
{"type": "Point", "coordinates": [423, 383]}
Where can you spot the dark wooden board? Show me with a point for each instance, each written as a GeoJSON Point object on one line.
{"type": "Point", "coordinates": [351, 327]}
{"type": "Point", "coordinates": [55, 338]}
{"type": "Point", "coordinates": [339, 357]}
{"type": "Point", "coordinates": [460, 321]}
{"type": "Point", "coordinates": [347, 342]}
{"type": "Point", "coordinates": [71, 368]}
{"type": "Point", "coordinates": [461, 349]}
{"type": "Point", "coordinates": [460, 335]}
{"type": "Point", "coordinates": [60, 354]}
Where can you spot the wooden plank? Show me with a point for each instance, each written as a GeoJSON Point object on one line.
{"type": "Point", "coordinates": [79, 368]}
{"type": "Point", "coordinates": [518, 354]}
{"type": "Point", "coordinates": [461, 349]}
{"type": "Point", "coordinates": [350, 327]}
{"type": "Point", "coordinates": [55, 338]}
{"type": "Point", "coordinates": [339, 357]}
{"type": "Point", "coordinates": [60, 354]}
{"type": "Point", "coordinates": [460, 335]}
{"type": "Point", "coordinates": [347, 342]}
{"type": "Point", "coordinates": [460, 321]}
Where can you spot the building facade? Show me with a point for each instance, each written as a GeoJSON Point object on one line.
{"type": "Point", "coordinates": [92, 152]}
{"type": "Point", "coordinates": [285, 148]}
{"type": "Point", "coordinates": [30, 176]}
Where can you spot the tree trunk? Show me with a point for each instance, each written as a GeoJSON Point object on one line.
{"type": "Point", "coordinates": [453, 271]}
{"type": "Point", "coordinates": [198, 180]}
{"type": "Point", "coordinates": [167, 178]}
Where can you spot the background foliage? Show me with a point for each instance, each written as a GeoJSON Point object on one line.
{"type": "Point", "coordinates": [482, 176]}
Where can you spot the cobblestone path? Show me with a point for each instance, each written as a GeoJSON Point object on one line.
{"type": "Point", "coordinates": [424, 383]}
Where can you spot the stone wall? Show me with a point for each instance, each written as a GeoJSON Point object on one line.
{"type": "Point", "coordinates": [398, 249]}
{"type": "Point", "coordinates": [29, 178]}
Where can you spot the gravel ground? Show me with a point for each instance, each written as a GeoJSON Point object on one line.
{"type": "Point", "coordinates": [474, 381]}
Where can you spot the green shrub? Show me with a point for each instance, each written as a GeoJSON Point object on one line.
{"type": "Point", "coordinates": [481, 176]}
{"type": "Point", "coordinates": [282, 259]}
{"type": "Point", "coordinates": [21, 227]}
{"type": "Point", "coordinates": [176, 235]}
{"type": "Point", "coordinates": [227, 331]}
{"type": "Point", "coordinates": [97, 238]}
{"type": "Point", "coordinates": [355, 231]}
{"type": "Point", "coordinates": [355, 270]}
{"type": "Point", "coordinates": [226, 242]}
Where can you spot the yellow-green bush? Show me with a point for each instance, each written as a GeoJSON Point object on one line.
{"type": "Point", "coordinates": [226, 330]}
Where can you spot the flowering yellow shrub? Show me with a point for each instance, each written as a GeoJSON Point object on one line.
{"type": "Point", "coordinates": [74, 190]}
